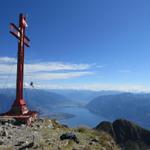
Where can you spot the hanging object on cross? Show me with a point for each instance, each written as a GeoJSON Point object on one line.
{"type": "Point", "coordinates": [31, 84]}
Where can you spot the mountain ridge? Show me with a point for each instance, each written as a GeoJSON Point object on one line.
{"type": "Point", "coordinates": [39, 100]}
{"type": "Point", "coordinates": [127, 134]}
{"type": "Point", "coordinates": [135, 107]}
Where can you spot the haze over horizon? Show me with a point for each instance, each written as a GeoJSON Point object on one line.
{"type": "Point", "coordinates": [89, 45]}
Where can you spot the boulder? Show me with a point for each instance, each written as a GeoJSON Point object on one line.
{"type": "Point", "coordinates": [69, 136]}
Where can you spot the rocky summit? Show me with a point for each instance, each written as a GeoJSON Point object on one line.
{"type": "Point", "coordinates": [47, 134]}
{"type": "Point", "coordinates": [127, 134]}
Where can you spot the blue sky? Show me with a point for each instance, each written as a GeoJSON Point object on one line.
{"type": "Point", "coordinates": [81, 44]}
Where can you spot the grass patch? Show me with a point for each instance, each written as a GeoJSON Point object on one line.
{"type": "Point", "coordinates": [82, 129]}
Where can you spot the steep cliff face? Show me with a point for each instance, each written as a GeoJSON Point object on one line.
{"type": "Point", "coordinates": [127, 134]}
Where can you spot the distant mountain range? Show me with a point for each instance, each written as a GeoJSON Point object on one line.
{"type": "Point", "coordinates": [83, 96]}
{"type": "Point", "coordinates": [39, 100]}
{"type": "Point", "coordinates": [107, 104]}
{"type": "Point", "coordinates": [134, 107]}
{"type": "Point", "coordinates": [45, 101]}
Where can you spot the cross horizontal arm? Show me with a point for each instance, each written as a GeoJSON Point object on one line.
{"type": "Point", "coordinates": [26, 43]}
{"type": "Point", "coordinates": [13, 26]}
{"type": "Point", "coordinates": [15, 34]}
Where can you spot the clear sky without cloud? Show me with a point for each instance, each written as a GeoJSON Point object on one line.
{"type": "Point", "coordinates": [80, 44]}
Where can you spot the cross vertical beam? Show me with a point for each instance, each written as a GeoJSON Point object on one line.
{"type": "Point", "coordinates": [20, 64]}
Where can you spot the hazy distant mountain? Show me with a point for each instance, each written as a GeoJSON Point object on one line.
{"type": "Point", "coordinates": [39, 100]}
{"type": "Point", "coordinates": [83, 96]}
{"type": "Point", "coordinates": [135, 107]}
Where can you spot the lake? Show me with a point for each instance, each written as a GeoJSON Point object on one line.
{"type": "Point", "coordinates": [80, 117]}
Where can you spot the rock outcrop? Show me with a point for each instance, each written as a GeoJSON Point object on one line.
{"type": "Point", "coordinates": [127, 134]}
{"type": "Point", "coordinates": [49, 134]}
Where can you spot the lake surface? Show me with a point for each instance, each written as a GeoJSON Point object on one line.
{"type": "Point", "coordinates": [81, 117]}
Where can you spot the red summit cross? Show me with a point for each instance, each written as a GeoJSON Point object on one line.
{"type": "Point", "coordinates": [19, 108]}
